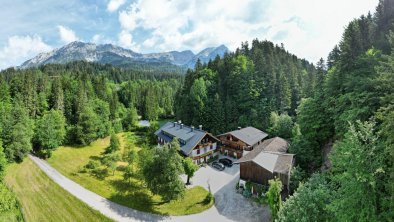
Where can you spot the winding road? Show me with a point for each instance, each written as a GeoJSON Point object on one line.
{"type": "Point", "coordinates": [228, 206]}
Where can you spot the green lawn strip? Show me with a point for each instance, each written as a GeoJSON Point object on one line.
{"type": "Point", "coordinates": [42, 199]}
{"type": "Point", "coordinates": [70, 162]}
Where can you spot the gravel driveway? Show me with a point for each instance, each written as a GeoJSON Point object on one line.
{"type": "Point", "coordinates": [228, 202]}
{"type": "Point", "coordinates": [229, 206]}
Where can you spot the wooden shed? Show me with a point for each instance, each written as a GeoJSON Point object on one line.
{"type": "Point", "coordinates": [267, 161]}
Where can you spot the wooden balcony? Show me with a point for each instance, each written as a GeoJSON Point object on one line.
{"type": "Point", "coordinates": [202, 145]}
{"type": "Point", "coordinates": [232, 144]}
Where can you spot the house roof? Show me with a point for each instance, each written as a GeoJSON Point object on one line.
{"type": "Point", "coordinates": [284, 163]}
{"type": "Point", "coordinates": [249, 135]}
{"type": "Point", "coordinates": [170, 130]}
{"type": "Point", "coordinates": [271, 156]}
{"type": "Point", "coordinates": [275, 144]}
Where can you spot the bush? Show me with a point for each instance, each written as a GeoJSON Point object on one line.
{"type": "Point", "coordinates": [45, 154]}
{"type": "Point", "coordinates": [114, 144]}
{"type": "Point", "coordinates": [248, 186]}
{"type": "Point", "coordinates": [208, 198]}
{"type": "Point", "coordinates": [259, 189]}
{"type": "Point", "coordinates": [247, 193]}
{"type": "Point", "coordinates": [10, 209]}
{"type": "Point", "coordinates": [7, 199]}
{"type": "Point", "coordinates": [93, 164]}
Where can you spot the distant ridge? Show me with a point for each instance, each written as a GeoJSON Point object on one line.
{"type": "Point", "coordinates": [118, 56]}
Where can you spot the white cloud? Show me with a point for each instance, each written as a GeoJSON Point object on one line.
{"type": "Point", "coordinates": [67, 35]}
{"type": "Point", "coordinates": [21, 48]}
{"type": "Point", "coordinates": [125, 39]}
{"type": "Point", "coordinates": [97, 38]}
{"type": "Point", "coordinates": [113, 5]}
{"type": "Point", "coordinates": [101, 39]}
{"type": "Point", "coordinates": [307, 28]}
{"type": "Point", "coordinates": [127, 19]}
{"type": "Point", "coordinates": [150, 42]}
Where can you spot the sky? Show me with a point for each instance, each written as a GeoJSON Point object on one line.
{"type": "Point", "coordinates": [307, 28]}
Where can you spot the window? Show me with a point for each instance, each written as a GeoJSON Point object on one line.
{"type": "Point", "coordinates": [211, 147]}
{"type": "Point", "coordinates": [198, 151]}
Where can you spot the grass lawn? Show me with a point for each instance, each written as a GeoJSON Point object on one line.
{"type": "Point", "coordinates": [42, 199]}
{"type": "Point", "coordinates": [70, 162]}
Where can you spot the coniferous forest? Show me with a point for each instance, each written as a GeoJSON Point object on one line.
{"type": "Point", "coordinates": [80, 101]}
{"type": "Point", "coordinates": [337, 114]}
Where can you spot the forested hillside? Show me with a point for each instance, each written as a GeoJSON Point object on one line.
{"type": "Point", "coordinates": [354, 109]}
{"type": "Point", "coordinates": [244, 87]}
{"type": "Point", "coordinates": [338, 116]}
{"type": "Point", "coordinates": [77, 103]}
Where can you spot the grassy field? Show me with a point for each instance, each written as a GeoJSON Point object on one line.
{"type": "Point", "coordinates": [42, 199]}
{"type": "Point", "coordinates": [70, 162]}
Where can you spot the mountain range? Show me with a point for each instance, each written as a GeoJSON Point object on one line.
{"type": "Point", "coordinates": [118, 56]}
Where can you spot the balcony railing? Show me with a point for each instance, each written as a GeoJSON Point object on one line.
{"type": "Point", "coordinates": [207, 144]}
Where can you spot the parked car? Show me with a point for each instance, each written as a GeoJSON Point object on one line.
{"type": "Point", "coordinates": [218, 165]}
{"type": "Point", "coordinates": [227, 162]}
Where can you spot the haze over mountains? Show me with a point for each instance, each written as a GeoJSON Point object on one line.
{"type": "Point", "coordinates": [118, 56]}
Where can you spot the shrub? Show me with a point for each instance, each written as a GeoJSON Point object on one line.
{"type": "Point", "coordinates": [45, 154]}
{"type": "Point", "coordinates": [93, 164]}
{"type": "Point", "coordinates": [248, 186]}
{"type": "Point", "coordinates": [208, 198]}
{"type": "Point", "coordinates": [247, 193]}
{"type": "Point", "coordinates": [114, 144]}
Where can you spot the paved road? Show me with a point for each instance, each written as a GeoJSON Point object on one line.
{"type": "Point", "coordinates": [228, 206]}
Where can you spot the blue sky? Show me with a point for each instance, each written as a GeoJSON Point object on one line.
{"type": "Point", "coordinates": [307, 28]}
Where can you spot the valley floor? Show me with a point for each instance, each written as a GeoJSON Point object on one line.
{"type": "Point", "coordinates": [70, 162]}
{"type": "Point", "coordinates": [232, 207]}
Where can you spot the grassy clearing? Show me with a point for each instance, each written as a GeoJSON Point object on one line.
{"type": "Point", "coordinates": [70, 162]}
{"type": "Point", "coordinates": [42, 199]}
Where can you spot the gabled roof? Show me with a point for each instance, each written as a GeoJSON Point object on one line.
{"type": "Point", "coordinates": [271, 156]}
{"type": "Point", "coordinates": [275, 144]}
{"type": "Point", "coordinates": [249, 135]}
{"type": "Point", "coordinates": [185, 133]}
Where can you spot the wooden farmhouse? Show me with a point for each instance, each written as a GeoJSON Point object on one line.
{"type": "Point", "coordinates": [195, 143]}
{"type": "Point", "coordinates": [267, 161]}
{"type": "Point", "coordinates": [236, 142]}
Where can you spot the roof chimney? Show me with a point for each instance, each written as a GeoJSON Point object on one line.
{"type": "Point", "coordinates": [181, 125]}
{"type": "Point", "coordinates": [239, 128]}
{"type": "Point", "coordinates": [179, 122]}
{"type": "Point", "coordinates": [174, 124]}
{"type": "Point", "coordinates": [200, 127]}
{"type": "Point", "coordinates": [192, 128]}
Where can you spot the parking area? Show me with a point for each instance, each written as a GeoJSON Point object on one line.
{"type": "Point", "coordinates": [227, 201]}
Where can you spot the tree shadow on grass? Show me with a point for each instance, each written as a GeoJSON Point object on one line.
{"type": "Point", "coordinates": [135, 196]}
{"type": "Point", "coordinates": [95, 158]}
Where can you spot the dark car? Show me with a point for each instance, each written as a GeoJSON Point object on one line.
{"type": "Point", "coordinates": [227, 162]}
{"type": "Point", "coordinates": [218, 165]}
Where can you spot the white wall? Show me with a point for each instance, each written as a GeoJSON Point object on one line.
{"type": "Point", "coordinates": [202, 150]}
